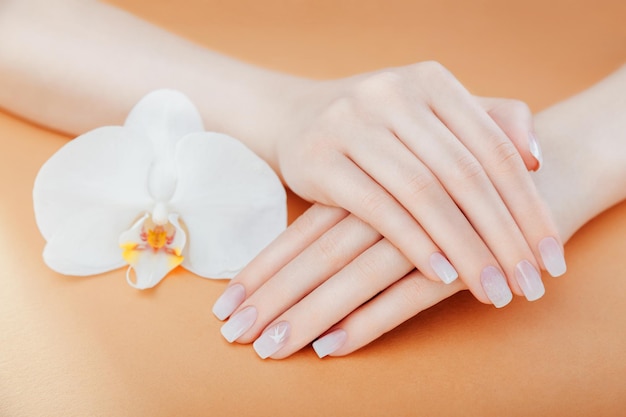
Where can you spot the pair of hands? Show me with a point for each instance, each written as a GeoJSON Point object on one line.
{"type": "Point", "coordinates": [430, 178]}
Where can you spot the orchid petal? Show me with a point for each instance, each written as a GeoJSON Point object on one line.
{"type": "Point", "coordinates": [88, 192]}
{"type": "Point", "coordinates": [231, 201]}
{"type": "Point", "coordinates": [86, 244]}
{"type": "Point", "coordinates": [151, 261]}
{"type": "Point", "coordinates": [164, 116]}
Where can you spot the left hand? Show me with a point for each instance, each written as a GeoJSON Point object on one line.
{"type": "Point", "coordinates": [322, 273]}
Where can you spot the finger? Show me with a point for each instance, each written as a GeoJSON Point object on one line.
{"type": "Point", "coordinates": [516, 121]}
{"type": "Point", "coordinates": [322, 259]}
{"type": "Point", "coordinates": [399, 171]}
{"type": "Point", "coordinates": [298, 236]}
{"type": "Point", "coordinates": [494, 150]}
{"type": "Point", "coordinates": [400, 302]}
{"type": "Point", "coordinates": [361, 195]}
{"type": "Point", "coordinates": [470, 187]}
{"type": "Point", "coordinates": [371, 272]}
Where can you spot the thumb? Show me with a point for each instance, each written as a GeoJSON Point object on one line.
{"type": "Point", "coordinates": [516, 121]}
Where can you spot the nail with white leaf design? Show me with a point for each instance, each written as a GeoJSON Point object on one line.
{"type": "Point", "coordinates": [272, 340]}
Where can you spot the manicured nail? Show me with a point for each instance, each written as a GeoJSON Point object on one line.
{"type": "Point", "coordinates": [444, 269]}
{"type": "Point", "coordinates": [272, 340]}
{"type": "Point", "coordinates": [239, 324]}
{"type": "Point", "coordinates": [535, 150]}
{"type": "Point", "coordinates": [229, 301]}
{"type": "Point", "coordinates": [552, 256]}
{"type": "Point", "coordinates": [330, 342]}
{"type": "Point", "coordinates": [495, 286]}
{"type": "Point", "coordinates": [529, 279]}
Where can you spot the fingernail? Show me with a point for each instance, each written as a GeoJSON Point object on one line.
{"type": "Point", "coordinates": [272, 340]}
{"type": "Point", "coordinates": [552, 256]}
{"type": "Point", "coordinates": [495, 286]}
{"type": "Point", "coordinates": [232, 297]}
{"type": "Point", "coordinates": [239, 324]}
{"type": "Point", "coordinates": [330, 342]}
{"type": "Point", "coordinates": [529, 279]}
{"type": "Point", "coordinates": [535, 150]}
{"type": "Point", "coordinates": [443, 268]}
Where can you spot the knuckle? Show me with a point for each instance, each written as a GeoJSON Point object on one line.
{"type": "Point", "coordinates": [367, 268]}
{"type": "Point", "coordinates": [414, 290]}
{"type": "Point", "coordinates": [375, 203]}
{"type": "Point", "coordinates": [329, 249]}
{"type": "Point", "coordinates": [505, 156]}
{"type": "Point", "coordinates": [518, 109]}
{"type": "Point", "coordinates": [383, 84]}
{"type": "Point", "coordinates": [468, 168]}
{"type": "Point", "coordinates": [432, 70]}
{"type": "Point", "coordinates": [419, 184]}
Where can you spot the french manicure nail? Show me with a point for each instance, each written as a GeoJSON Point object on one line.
{"type": "Point", "coordinates": [272, 340]}
{"type": "Point", "coordinates": [529, 280]}
{"type": "Point", "coordinates": [495, 286]}
{"type": "Point", "coordinates": [443, 268]}
{"type": "Point", "coordinates": [552, 256]}
{"type": "Point", "coordinates": [330, 342]}
{"type": "Point", "coordinates": [535, 150]}
{"type": "Point", "coordinates": [239, 324]}
{"type": "Point", "coordinates": [232, 297]}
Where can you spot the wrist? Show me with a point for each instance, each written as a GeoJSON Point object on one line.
{"type": "Point", "coordinates": [254, 105]}
{"type": "Point", "coordinates": [584, 144]}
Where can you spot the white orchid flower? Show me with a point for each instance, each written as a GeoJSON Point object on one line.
{"type": "Point", "coordinates": [156, 193]}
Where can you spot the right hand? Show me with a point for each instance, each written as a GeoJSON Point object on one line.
{"type": "Point", "coordinates": [439, 173]}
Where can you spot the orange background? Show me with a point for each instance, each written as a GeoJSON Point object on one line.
{"type": "Point", "coordinates": [94, 346]}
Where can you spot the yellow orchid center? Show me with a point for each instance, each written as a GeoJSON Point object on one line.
{"type": "Point", "coordinates": [152, 249]}
{"type": "Point", "coordinates": [156, 237]}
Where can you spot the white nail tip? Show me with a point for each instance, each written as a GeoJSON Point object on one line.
{"type": "Point", "coordinates": [330, 342]}
{"type": "Point", "coordinates": [552, 256]}
{"type": "Point", "coordinates": [239, 324]}
{"type": "Point", "coordinates": [443, 268]}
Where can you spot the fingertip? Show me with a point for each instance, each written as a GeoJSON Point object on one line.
{"type": "Point", "coordinates": [535, 151]}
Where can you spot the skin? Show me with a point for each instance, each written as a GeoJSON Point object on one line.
{"type": "Point", "coordinates": [380, 289]}
{"type": "Point", "coordinates": [459, 187]}
{"type": "Point", "coordinates": [437, 140]}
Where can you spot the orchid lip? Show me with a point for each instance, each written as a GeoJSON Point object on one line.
{"type": "Point", "coordinates": [152, 249]}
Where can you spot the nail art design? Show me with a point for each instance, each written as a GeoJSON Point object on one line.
{"type": "Point", "coordinates": [278, 335]}
{"type": "Point", "coordinates": [272, 340]}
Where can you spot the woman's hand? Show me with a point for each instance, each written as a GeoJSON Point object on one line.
{"type": "Point", "coordinates": [328, 270]}
{"type": "Point", "coordinates": [411, 153]}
